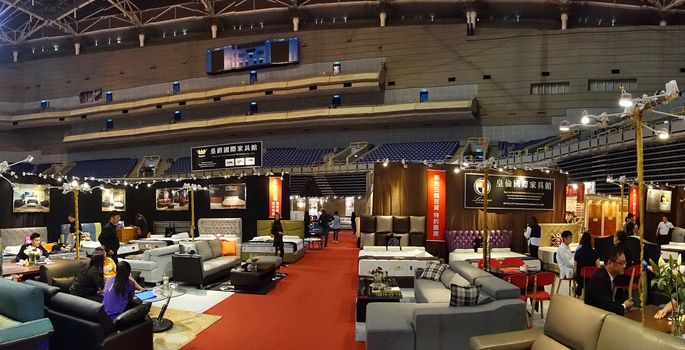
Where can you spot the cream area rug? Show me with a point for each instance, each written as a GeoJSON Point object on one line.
{"type": "Point", "coordinates": [187, 325]}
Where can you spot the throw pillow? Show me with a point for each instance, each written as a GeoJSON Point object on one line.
{"type": "Point", "coordinates": [63, 283]}
{"type": "Point", "coordinates": [433, 270]}
{"type": "Point", "coordinates": [464, 296]}
{"type": "Point", "coordinates": [556, 240]}
{"type": "Point", "coordinates": [228, 248]}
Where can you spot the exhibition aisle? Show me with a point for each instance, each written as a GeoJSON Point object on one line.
{"type": "Point", "coordinates": [312, 308]}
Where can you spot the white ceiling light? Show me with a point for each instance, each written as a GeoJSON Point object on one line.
{"type": "Point", "coordinates": [565, 126]}
{"type": "Point", "coordinates": [626, 99]}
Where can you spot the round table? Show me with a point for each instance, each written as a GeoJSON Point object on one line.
{"type": "Point", "coordinates": [161, 324]}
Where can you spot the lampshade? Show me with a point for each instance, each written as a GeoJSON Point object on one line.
{"type": "Point", "coordinates": [663, 135]}
{"type": "Point", "coordinates": [585, 118]}
{"type": "Point", "coordinates": [626, 99]}
{"type": "Point", "coordinates": [565, 126]}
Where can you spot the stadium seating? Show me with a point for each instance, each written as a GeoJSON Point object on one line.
{"type": "Point", "coordinates": [413, 152]}
{"type": "Point", "coordinates": [179, 166]}
{"type": "Point", "coordinates": [294, 157]}
{"type": "Point", "coordinates": [105, 168]}
{"type": "Point", "coordinates": [30, 168]}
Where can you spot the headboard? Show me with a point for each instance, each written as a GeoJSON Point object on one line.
{"type": "Point", "coordinates": [17, 236]}
{"type": "Point", "coordinates": [290, 228]}
{"type": "Point", "coordinates": [94, 228]}
{"type": "Point", "coordinates": [221, 226]}
{"type": "Point", "coordinates": [159, 227]}
{"type": "Point", "coordinates": [549, 229]}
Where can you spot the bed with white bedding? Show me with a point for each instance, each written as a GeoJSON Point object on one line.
{"type": "Point", "coordinates": [497, 253]}
{"type": "Point", "coordinates": [401, 264]}
{"type": "Point", "coordinates": [293, 247]}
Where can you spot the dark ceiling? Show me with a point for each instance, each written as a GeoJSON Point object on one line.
{"type": "Point", "coordinates": [52, 22]}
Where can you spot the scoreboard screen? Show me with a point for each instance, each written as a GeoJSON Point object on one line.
{"type": "Point", "coordinates": [253, 55]}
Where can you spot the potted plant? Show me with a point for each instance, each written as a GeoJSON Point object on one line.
{"type": "Point", "coordinates": [670, 281]}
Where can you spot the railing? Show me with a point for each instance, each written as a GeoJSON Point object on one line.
{"type": "Point", "coordinates": [202, 84]}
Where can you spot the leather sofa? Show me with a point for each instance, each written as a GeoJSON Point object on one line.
{"type": "Point", "coordinates": [22, 318]}
{"type": "Point", "coordinates": [206, 264]}
{"type": "Point", "coordinates": [375, 230]}
{"type": "Point", "coordinates": [155, 263]}
{"type": "Point", "coordinates": [83, 324]}
{"type": "Point", "coordinates": [431, 323]}
{"type": "Point", "coordinates": [570, 324]}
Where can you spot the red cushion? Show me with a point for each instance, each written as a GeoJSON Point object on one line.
{"type": "Point", "coordinates": [539, 295]}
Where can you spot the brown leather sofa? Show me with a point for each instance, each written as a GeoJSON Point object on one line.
{"type": "Point", "coordinates": [375, 229]}
{"type": "Point", "coordinates": [571, 324]}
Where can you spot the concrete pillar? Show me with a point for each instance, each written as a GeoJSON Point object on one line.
{"type": "Point", "coordinates": [296, 24]}
{"type": "Point", "coordinates": [383, 16]}
{"type": "Point", "coordinates": [77, 49]}
{"type": "Point", "coordinates": [564, 21]}
{"type": "Point", "coordinates": [141, 39]}
{"type": "Point", "coordinates": [214, 28]}
{"type": "Point", "coordinates": [15, 56]}
{"type": "Point", "coordinates": [662, 23]}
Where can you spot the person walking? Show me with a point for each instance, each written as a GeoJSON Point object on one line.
{"type": "Point", "coordinates": [353, 223]}
{"type": "Point", "coordinates": [663, 230]}
{"type": "Point", "coordinates": [335, 225]}
{"type": "Point", "coordinates": [277, 233]}
{"type": "Point", "coordinates": [108, 238]}
{"type": "Point", "coordinates": [324, 221]}
{"type": "Point", "coordinates": [307, 222]}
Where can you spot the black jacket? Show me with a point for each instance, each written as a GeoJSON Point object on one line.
{"type": "Point", "coordinates": [277, 227]}
{"type": "Point", "coordinates": [88, 283]}
{"type": "Point", "coordinates": [108, 238]}
{"type": "Point", "coordinates": [599, 293]}
{"type": "Point", "coordinates": [23, 256]}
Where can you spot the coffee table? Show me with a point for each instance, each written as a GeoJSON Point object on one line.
{"type": "Point", "coordinates": [161, 324]}
{"type": "Point", "coordinates": [365, 295]}
{"type": "Point", "coordinates": [650, 322]}
{"type": "Point", "coordinates": [253, 280]}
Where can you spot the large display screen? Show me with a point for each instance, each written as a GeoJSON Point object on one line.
{"type": "Point", "coordinates": [228, 196]}
{"type": "Point", "coordinates": [659, 201]}
{"type": "Point", "coordinates": [253, 55]}
{"type": "Point", "coordinates": [226, 156]}
{"type": "Point", "coordinates": [509, 192]}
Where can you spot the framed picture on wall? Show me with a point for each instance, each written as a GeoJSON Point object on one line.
{"type": "Point", "coordinates": [171, 199]}
{"type": "Point", "coordinates": [31, 198]}
{"type": "Point", "coordinates": [113, 199]}
{"type": "Point", "coordinates": [659, 201]}
{"type": "Point", "coordinates": [228, 196]}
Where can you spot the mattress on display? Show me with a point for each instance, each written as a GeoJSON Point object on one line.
{"type": "Point", "coordinates": [293, 247]}
{"type": "Point", "coordinates": [89, 247]}
{"type": "Point", "coordinates": [497, 253]}
{"type": "Point", "coordinates": [401, 264]}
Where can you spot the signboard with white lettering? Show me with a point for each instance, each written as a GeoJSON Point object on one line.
{"type": "Point", "coordinates": [509, 192]}
{"type": "Point", "coordinates": [228, 156]}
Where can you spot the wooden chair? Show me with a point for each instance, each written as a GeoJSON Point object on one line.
{"type": "Point", "coordinates": [520, 281]}
{"type": "Point", "coordinates": [586, 273]}
{"type": "Point", "coordinates": [538, 292]}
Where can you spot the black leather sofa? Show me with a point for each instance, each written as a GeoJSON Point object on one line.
{"type": "Point", "coordinates": [83, 324]}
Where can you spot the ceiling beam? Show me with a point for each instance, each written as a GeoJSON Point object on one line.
{"type": "Point", "coordinates": [209, 7]}
{"type": "Point", "coordinates": [129, 9]}
{"type": "Point", "coordinates": [58, 22]}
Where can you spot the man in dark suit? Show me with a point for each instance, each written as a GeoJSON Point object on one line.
{"type": "Point", "coordinates": [600, 290]}
{"type": "Point", "coordinates": [108, 237]}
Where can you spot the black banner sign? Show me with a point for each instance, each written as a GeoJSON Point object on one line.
{"type": "Point", "coordinates": [509, 192]}
{"type": "Point", "coordinates": [228, 156]}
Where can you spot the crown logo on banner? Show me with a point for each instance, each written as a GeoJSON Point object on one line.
{"type": "Point", "coordinates": [201, 152]}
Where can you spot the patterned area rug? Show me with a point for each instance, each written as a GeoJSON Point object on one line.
{"type": "Point", "coordinates": [187, 325]}
{"type": "Point", "coordinates": [226, 286]}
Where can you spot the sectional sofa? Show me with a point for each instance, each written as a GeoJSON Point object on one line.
{"type": "Point", "coordinates": [430, 323]}
{"type": "Point", "coordinates": [375, 229]}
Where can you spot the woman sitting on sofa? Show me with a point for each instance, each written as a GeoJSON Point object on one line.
{"type": "Point", "coordinates": [91, 280]}
{"type": "Point", "coordinates": [119, 291]}
{"type": "Point", "coordinates": [110, 270]}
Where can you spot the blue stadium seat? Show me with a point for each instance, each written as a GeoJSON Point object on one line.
{"type": "Point", "coordinates": [413, 152]}
{"type": "Point", "coordinates": [105, 168]}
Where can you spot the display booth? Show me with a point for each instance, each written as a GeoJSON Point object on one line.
{"type": "Point", "coordinates": [603, 214]}
{"type": "Point", "coordinates": [452, 201]}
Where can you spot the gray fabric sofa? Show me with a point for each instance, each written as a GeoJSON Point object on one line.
{"type": "Point", "coordinates": [431, 324]}
{"type": "Point", "coordinates": [155, 263]}
{"type": "Point", "coordinates": [207, 264]}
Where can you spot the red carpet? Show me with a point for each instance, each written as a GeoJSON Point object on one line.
{"type": "Point", "coordinates": [312, 308]}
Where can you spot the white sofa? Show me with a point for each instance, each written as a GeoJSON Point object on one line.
{"type": "Point", "coordinates": [155, 263]}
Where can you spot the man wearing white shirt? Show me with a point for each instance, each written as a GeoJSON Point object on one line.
{"type": "Point", "coordinates": [565, 257]}
{"type": "Point", "coordinates": [663, 229]}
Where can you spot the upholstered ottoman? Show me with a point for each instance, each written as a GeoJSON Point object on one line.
{"type": "Point", "coordinates": [248, 280]}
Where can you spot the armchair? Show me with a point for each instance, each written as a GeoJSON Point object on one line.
{"type": "Point", "coordinates": [155, 263]}
{"type": "Point", "coordinates": [22, 319]}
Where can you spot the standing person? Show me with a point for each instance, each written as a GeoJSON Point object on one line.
{"type": "Point", "coordinates": [353, 222]}
{"type": "Point", "coordinates": [335, 225]}
{"type": "Point", "coordinates": [108, 238]}
{"type": "Point", "coordinates": [277, 233]}
{"type": "Point", "coordinates": [663, 230]}
{"type": "Point", "coordinates": [307, 222]}
{"type": "Point", "coordinates": [565, 257]}
{"type": "Point", "coordinates": [90, 281]}
{"type": "Point", "coordinates": [533, 233]}
{"type": "Point", "coordinates": [34, 246]}
{"type": "Point", "coordinates": [118, 291]}
{"type": "Point", "coordinates": [324, 221]}
{"type": "Point", "coordinates": [585, 256]}
{"type": "Point", "coordinates": [629, 226]}
{"type": "Point", "coordinates": [141, 223]}
{"type": "Point", "coordinates": [600, 289]}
